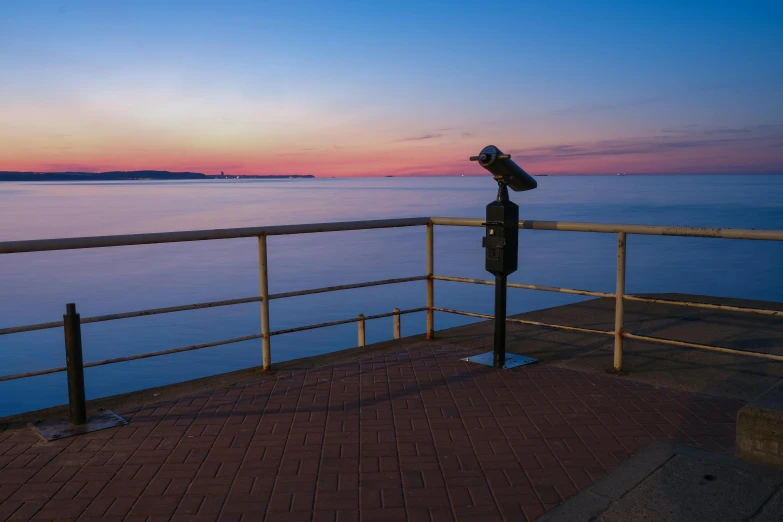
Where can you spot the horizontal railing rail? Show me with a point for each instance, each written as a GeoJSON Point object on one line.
{"type": "Point", "coordinates": [705, 306]}
{"type": "Point", "coordinates": [75, 243]}
{"type": "Point", "coordinates": [612, 228]}
{"type": "Point", "coordinates": [211, 304]}
{"type": "Point", "coordinates": [133, 357]}
{"type": "Point", "coordinates": [526, 287]}
{"type": "Point", "coordinates": [347, 287]}
{"type": "Point", "coordinates": [627, 297]}
{"type": "Point", "coordinates": [128, 315]}
{"type": "Point", "coordinates": [347, 321]}
{"type": "Point", "coordinates": [261, 233]}
{"type": "Point", "coordinates": [525, 321]}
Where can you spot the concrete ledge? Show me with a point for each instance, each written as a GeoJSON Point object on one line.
{"type": "Point", "coordinates": [760, 428]}
{"type": "Point", "coordinates": [678, 483]}
{"type": "Point", "coordinates": [591, 502]}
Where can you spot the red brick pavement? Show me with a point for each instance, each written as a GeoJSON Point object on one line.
{"type": "Point", "coordinates": [412, 435]}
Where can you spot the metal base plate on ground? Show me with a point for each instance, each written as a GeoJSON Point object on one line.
{"type": "Point", "coordinates": [512, 360]}
{"type": "Point", "coordinates": [56, 430]}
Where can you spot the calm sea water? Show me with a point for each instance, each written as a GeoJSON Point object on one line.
{"type": "Point", "coordinates": [35, 287]}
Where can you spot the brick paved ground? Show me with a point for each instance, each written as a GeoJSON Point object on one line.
{"type": "Point", "coordinates": [412, 435]}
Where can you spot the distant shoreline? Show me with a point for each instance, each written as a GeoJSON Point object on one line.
{"type": "Point", "coordinates": [163, 175]}
{"type": "Point", "coordinates": [133, 175]}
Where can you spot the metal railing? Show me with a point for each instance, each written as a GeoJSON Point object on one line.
{"type": "Point", "coordinates": [261, 233]}
{"type": "Point", "coordinates": [619, 295]}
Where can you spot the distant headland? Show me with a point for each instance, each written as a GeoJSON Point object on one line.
{"type": "Point", "coordinates": [137, 175]}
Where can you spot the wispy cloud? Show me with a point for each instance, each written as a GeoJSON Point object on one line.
{"type": "Point", "coordinates": [421, 137]}
{"type": "Point", "coordinates": [693, 129]}
{"type": "Point", "coordinates": [297, 152]}
{"type": "Point", "coordinates": [688, 138]}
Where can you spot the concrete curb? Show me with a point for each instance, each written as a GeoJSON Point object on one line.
{"type": "Point", "coordinates": [760, 428]}
{"type": "Point", "coordinates": [591, 502]}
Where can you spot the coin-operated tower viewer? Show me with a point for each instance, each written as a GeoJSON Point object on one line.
{"type": "Point", "coordinates": [501, 242]}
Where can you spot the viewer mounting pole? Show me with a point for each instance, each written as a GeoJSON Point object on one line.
{"type": "Point", "coordinates": [502, 246]}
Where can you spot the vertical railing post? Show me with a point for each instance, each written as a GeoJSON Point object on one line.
{"type": "Point", "coordinates": [266, 344]}
{"type": "Point", "coordinates": [397, 327]}
{"type": "Point", "coordinates": [618, 303]}
{"type": "Point", "coordinates": [430, 283]}
{"type": "Point", "coordinates": [361, 330]}
{"type": "Point", "coordinates": [74, 365]}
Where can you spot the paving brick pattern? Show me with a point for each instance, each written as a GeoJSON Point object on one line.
{"type": "Point", "coordinates": [414, 435]}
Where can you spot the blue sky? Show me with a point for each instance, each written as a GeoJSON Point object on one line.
{"type": "Point", "coordinates": [408, 87]}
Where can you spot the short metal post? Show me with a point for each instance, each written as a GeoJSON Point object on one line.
{"type": "Point", "coordinates": [618, 303]}
{"type": "Point", "coordinates": [266, 345]}
{"type": "Point", "coordinates": [430, 283]}
{"type": "Point", "coordinates": [74, 365]}
{"type": "Point", "coordinates": [361, 330]}
{"type": "Point", "coordinates": [397, 328]}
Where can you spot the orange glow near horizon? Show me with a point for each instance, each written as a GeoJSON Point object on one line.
{"type": "Point", "coordinates": [161, 134]}
{"type": "Point", "coordinates": [365, 157]}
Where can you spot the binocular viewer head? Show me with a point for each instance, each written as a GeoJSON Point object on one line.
{"type": "Point", "coordinates": [504, 170]}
